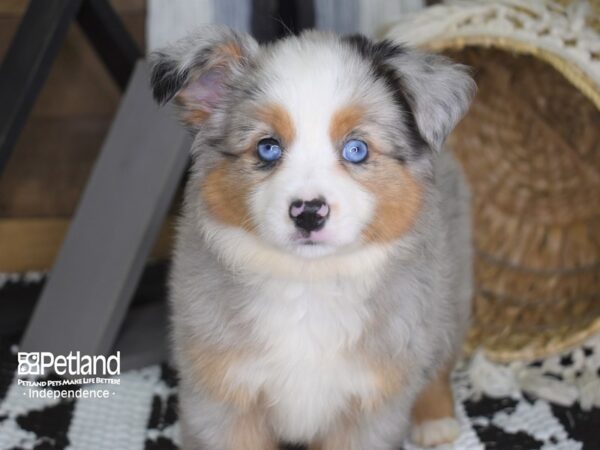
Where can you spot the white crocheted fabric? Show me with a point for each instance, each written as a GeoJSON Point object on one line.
{"type": "Point", "coordinates": [552, 404]}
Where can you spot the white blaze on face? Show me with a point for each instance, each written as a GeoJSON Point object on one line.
{"type": "Point", "coordinates": [312, 83]}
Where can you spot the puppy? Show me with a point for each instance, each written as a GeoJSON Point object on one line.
{"type": "Point", "coordinates": [322, 272]}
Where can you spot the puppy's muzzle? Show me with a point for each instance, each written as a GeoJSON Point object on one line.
{"type": "Point", "coordinates": [309, 215]}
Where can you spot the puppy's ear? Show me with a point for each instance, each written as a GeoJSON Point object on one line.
{"type": "Point", "coordinates": [437, 90]}
{"type": "Point", "coordinates": [196, 71]}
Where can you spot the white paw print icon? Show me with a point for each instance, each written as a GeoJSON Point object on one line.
{"type": "Point", "coordinates": [29, 363]}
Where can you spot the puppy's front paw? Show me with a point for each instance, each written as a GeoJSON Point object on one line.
{"type": "Point", "coordinates": [432, 433]}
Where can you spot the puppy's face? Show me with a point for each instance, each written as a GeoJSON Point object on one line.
{"type": "Point", "coordinates": [315, 144]}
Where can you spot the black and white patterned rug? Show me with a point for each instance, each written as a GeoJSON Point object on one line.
{"type": "Point", "coordinates": [552, 404]}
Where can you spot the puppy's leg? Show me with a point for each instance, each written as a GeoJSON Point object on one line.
{"type": "Point", "coordinates": [378, 429]}
{"type": "Point", "coordinates": [207, 424]}
{"type": "Point", "coordinates": [250, 432]}
{"type": "Point", "coordinates": [433, 419]}
{"type": "Point", "coordinates": [341, 438]}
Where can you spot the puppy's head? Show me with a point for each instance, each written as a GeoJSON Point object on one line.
{"type": "Point", "coordinates": [315, 144]}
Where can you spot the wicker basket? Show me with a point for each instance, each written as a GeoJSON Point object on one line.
{"type": "Point", "coordinates": [530, 147]}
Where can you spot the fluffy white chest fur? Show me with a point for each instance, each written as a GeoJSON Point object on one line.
{"type": "Point", "coordinates": [308, 371]}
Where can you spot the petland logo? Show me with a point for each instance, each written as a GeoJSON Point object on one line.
{"type": "Point", "coordinates": [72, 365]}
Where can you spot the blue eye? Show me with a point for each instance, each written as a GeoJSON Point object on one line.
{"type": "Point", "coordinates": [355, 151]}
{"type": "Point", "coordinates": [268, 150]}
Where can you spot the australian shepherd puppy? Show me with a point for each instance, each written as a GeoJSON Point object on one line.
{"type": "Point", "coordinates": [322, 272]}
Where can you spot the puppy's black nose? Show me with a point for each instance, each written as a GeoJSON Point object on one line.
{"type": "Point", "coordinates": [309, 215]}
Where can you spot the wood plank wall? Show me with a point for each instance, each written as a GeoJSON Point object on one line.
{"type": "Point", "coordinates": [60, 141]}
{"type": "Point", "coordinates": [43, 180]}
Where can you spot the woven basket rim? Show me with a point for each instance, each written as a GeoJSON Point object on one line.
{"type": "Point", "coordinates": [443, 27]}
{"type": "Point", "coordinates": [578, 78]}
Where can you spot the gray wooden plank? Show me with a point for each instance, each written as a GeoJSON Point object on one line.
{"type": "Point", "coordinates": [118, 218]}
{"type": "Point", "coordinates": [143, 337]}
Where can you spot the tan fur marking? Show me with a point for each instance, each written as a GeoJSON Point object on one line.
{"type": "Point", "coordinates": [399, 197]}
{"type": "Point", "coordinates": [435, 401]}
{"type": "Point", "coordinates": [339, 439]}
{"type": "Point", "coordinates": [279, 119]}
{"type": "Point", "coordinates": [343, 434]}
{"type": "Point", "coordinates": [211, 368]}
{"type": "Point", "coordinates": [230, 50]}
{"type": "Point", "coordinates": [194, 116]}
{"type": "Point", "coordinates": [345, 120]}
{"type": "Point", "coordinates": [191, 112]}
{"type": "Point", "coordinates": [389, 381]}
{"type": "Point", "coordinates": [225, 194]}
{"type": "Point", "coordinates": [250, 431]}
